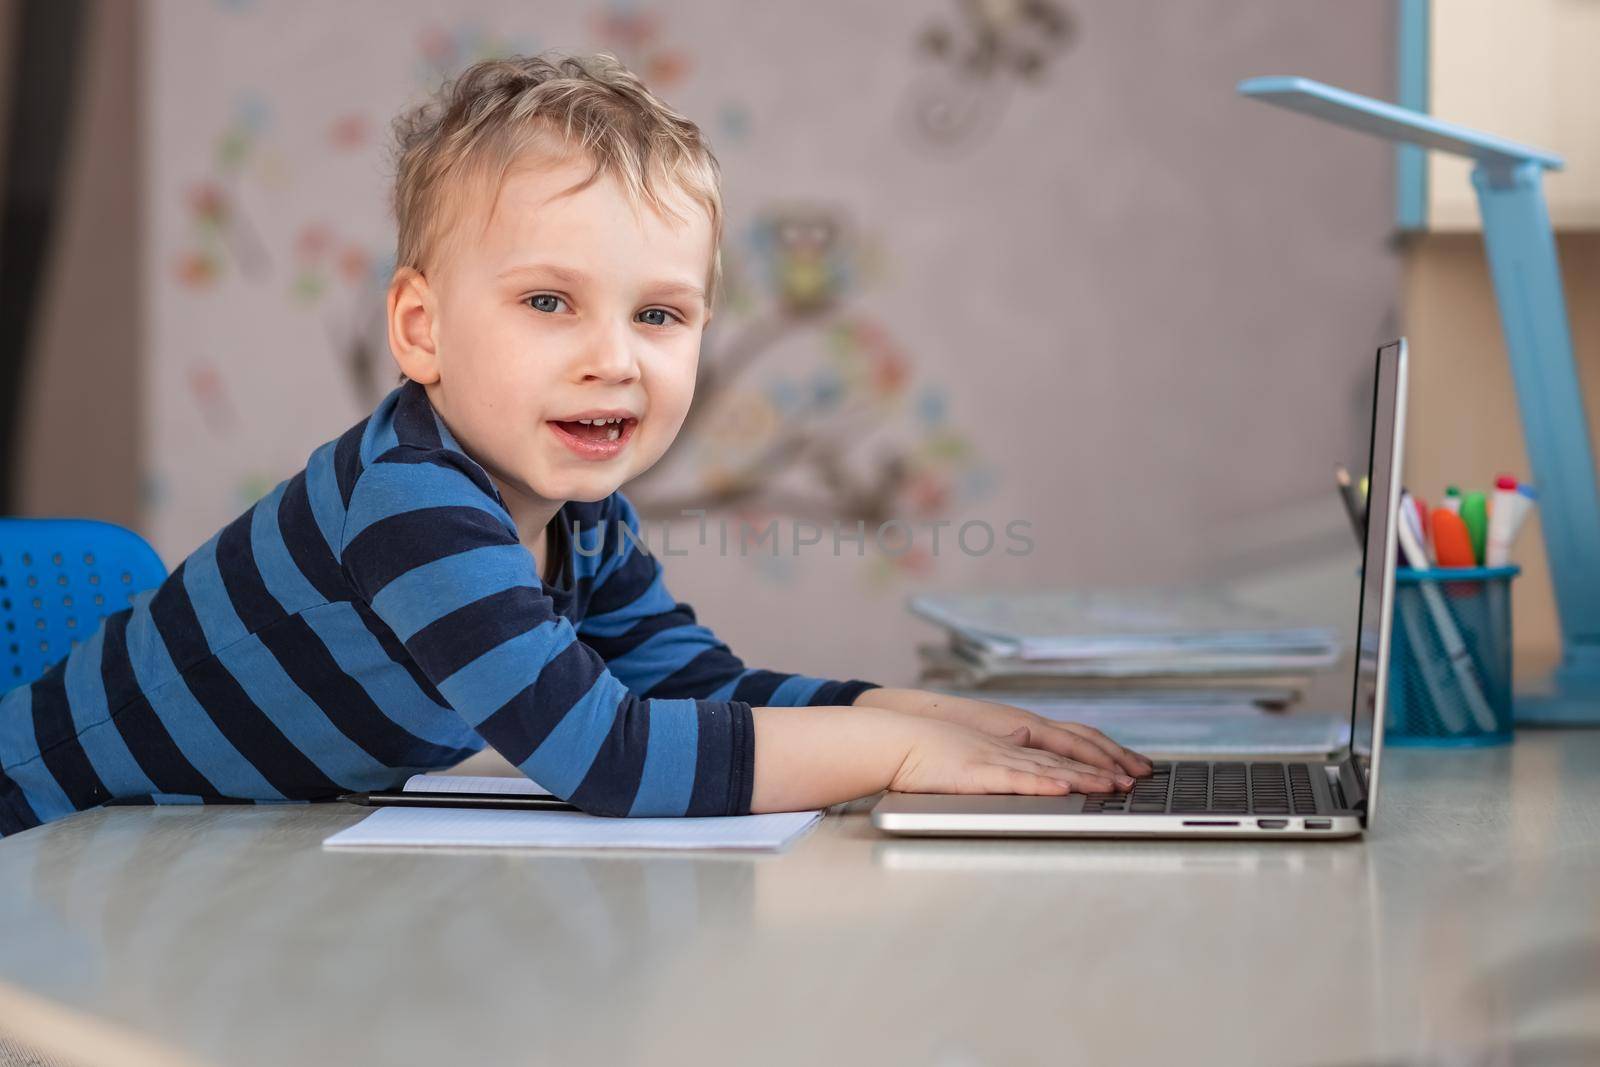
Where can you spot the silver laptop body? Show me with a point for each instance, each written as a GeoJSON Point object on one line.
{"type": "Point", "coordinates": [1243, 796]}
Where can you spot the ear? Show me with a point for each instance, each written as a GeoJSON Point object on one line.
{"type": "Point", "coordinates": [413, 309]}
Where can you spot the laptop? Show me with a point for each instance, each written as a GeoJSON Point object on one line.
{"type": "Point", "coordinates": [1232, 797]}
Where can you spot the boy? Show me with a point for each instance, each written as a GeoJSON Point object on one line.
{"type": "Point", "coordinates": [449, 573]}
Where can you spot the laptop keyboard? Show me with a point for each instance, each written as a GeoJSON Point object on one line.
{"type": "Point", "coordinates": [1214, 789]}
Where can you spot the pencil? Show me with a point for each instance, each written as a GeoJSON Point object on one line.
{"type": "Point", "coordinates": [1352, 508]}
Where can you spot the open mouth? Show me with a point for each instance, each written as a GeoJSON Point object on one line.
{"type": "Point", "coordinates": [595, 438]}
{"type": "Point", "coordinates": [597, 429]}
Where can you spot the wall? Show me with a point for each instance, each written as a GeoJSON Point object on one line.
{"type": "Point", "coordinates": [1524, 71]}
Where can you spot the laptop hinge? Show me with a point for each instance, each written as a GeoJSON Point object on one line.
{"type": "Point", "coordinates": [1348, 788]}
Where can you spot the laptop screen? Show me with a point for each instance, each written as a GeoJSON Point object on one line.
{"type": "Point", "coordinates": [1378, 562]}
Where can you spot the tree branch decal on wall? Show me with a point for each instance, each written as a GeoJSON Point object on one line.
{"type": "Point", "coordinates": [973, 61]}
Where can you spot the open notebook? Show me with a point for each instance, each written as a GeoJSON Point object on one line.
{"type": "Point", "coordinates": [489, 828]}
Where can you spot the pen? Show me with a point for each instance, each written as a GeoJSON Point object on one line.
{"type": "Point", "coordinates": [1347, 493]}
{"type": "Point", "coordinates": [416, 799]}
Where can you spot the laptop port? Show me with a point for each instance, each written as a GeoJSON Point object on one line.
{"type": "Point", "coordinates": [1210, 822]}
{"type": "Point", "coordinates": [1319, 824]}
{"type": "Point", "coordinates": [1272, 824]}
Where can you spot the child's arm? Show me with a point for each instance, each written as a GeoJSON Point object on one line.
{"type": "Point", "coordinates": [814, 757]}
{"type": "Point", "coordinates": [656, 647]}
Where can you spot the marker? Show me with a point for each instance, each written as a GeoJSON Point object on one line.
{"type": "Point", "coordinates": [1510, 507]}
{"type": "Point", "coordinates": [1533, 499]}
{"type": "Point", "coordinates": [1452, 499]}
{"type": "Point", "coordinates": [1521, 507]}
{"type": "Point", "coordinates": [1452, 545]}
{"type": "Point", "coordinates": [1475, 513]}
{"type": "Point", "coordinates": [1533, 502]}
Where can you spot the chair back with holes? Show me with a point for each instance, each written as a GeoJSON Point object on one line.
{"type": "Point", "coordinates": [58, 579]}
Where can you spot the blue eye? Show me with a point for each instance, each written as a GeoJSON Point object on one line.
{"type": "Point", "coordinates": [546, 302]}
{"type": "Point", "coordinates": [656, 317]}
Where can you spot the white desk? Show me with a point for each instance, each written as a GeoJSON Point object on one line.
{"type": "Point", "coordinates": [1465, 930]}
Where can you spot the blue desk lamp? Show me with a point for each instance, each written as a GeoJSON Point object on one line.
{"type": "Point", "coordinates": [1533, 313]}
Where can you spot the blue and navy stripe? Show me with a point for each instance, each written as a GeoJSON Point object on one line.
{"type": "Point", "coordinates": [376, 615]}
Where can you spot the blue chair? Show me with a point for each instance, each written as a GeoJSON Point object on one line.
{"type": "Point", "coordinates": [58, 579]}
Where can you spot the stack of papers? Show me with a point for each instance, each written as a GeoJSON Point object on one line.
{"type": "Point", "coordinates": [1163, 730]}
{"type": "Point", "coordinates": [509, 828]}
{"type": "Point", "coordinates": [1075, 640]}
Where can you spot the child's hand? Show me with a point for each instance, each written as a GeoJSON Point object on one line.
{"type": "Point", "coordinates": [947, 757]}
{"type": "Point", "coordinates": [1082, 743]}
{"type": "Point", "coordinates": [812, 757]}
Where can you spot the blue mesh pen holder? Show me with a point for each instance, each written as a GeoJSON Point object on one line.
{"type": "Point", "coordinates": [1450, 657]}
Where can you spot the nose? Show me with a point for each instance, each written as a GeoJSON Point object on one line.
{"type": "Point", "coordinates": [609, 358]}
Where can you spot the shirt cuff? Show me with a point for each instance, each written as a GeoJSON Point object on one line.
{"type": "Point", "coordinates": [743, 758]}
{"type": "Point", "coordinates": [847, 692]}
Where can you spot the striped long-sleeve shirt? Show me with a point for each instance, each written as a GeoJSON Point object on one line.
{"type": "Point", "coordinates": [376, 615]}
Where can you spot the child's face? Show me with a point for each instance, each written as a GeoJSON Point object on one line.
{"type": "Point", "coordinates": [570, 307]}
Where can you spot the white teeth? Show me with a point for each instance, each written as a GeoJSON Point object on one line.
{"type": "Point", "coordinates": [586, 422]}
{"type": "Point", "coordinates": [616, 432]}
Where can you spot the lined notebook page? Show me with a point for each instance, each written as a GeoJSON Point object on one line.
{"type": "Point", "coordinates": [488, 828]}
{"type": "Point", "coordinates": [467, 783]}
